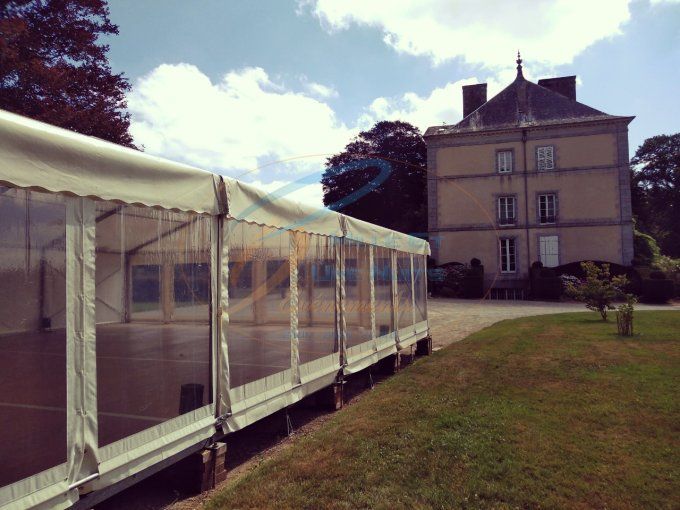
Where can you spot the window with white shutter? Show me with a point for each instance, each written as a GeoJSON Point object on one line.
{"type": "Point", "coordinates": [545, 158]}
{"type": "Point", "coordinates": [504, 161]}
{"type": "Point", "coordinates": [547, 208]}
{"type": "Point", "coordinates": [549, 250]}
{"type": "Point", "coordinates": [507, 255]}
{"type": "Point", "coordinates": [506, 210]}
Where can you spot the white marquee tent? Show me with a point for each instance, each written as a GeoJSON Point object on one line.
{"type": "Point", "coordinates": [146, 306]}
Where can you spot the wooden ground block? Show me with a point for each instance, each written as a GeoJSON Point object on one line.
{"type": "Point", "coordinates": [424, 347]}
{"type": "Point", "coordinates": [201, 471]}
{"type": "Point", "coordinates": [406, 357]}
{"type": "Point", "coordinates": [332, 397]}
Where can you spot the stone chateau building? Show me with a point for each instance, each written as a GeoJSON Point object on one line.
{"type": "Point", "coordinates": [531, 174]}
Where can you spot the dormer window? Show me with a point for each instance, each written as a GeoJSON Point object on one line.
{"type": "Point", "coordinates": [504, 161]}
{"type": "Point", "coordinates": [545, 158]}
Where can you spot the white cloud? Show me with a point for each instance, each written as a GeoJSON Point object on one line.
{"type": "Point", "coordinates": [444, 105]}
{"type": "Point", "coordinates": [319, 90]}
{"type": "Point", "coordinates": [488, 32]}
{"type": "Point", "coordinates": [231, 125]}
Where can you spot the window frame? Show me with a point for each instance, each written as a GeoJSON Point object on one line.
{"type": "Point", "coordinates": [499, 208]}
{"type": "Point", "coordinates": [552, 152]}
{"type": "Point", "coordinates": [539, 217]}
{"type": "Point", "coordinates": [497, 165]}
{"type": "Point", "coordinates": [501, 249]}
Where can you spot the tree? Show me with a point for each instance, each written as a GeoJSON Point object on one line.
{"type": "Point", "coordinates": [656, 190]}
{"type": "Point", "coordinates": [599, 289]}
{"type": "Point", "coordinates": [353, 179]}
{"type": "Point", "coordinates": [53, 68]}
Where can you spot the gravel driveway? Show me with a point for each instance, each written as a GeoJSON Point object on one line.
{"type": "Point", "coordinates": [451, 320]}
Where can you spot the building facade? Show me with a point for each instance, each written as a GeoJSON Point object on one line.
{"type": "Point", "coordinates": [529, 175]}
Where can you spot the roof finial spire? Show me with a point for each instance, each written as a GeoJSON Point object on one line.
{"type": "Point", "coordinates": [519, 64]}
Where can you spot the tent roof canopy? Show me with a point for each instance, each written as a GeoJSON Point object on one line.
{"type": "Point", "coordinates": [35, 155]}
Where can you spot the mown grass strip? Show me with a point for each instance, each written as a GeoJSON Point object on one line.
{"type": "Point", "coordinates": [551, 412]}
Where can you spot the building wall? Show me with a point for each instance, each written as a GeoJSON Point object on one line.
{"type": "Point", "coordinates": [590, 180]}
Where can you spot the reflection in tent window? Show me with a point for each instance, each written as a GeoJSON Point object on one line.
{"type": "Point", "coordinates": [146, 288]}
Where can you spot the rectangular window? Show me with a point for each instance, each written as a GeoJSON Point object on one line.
{"type": "Point", "coordinates": [506, 210]}
{"type": "Point", "coordinates": [382, 281]}
{"type": "Point", "coordinates": [545, 159]}
{"type": "Point", "coordinates": [358, 293]}
{"type": "Point", "coordinates": [547, 208]}
{"type": "Point", "coordinates": [504, 161]}
{"type": "Point", "coordinates": [549, 250]}
{"type": "Point", "coordinates": [508, 255]}
{"type": "Point", "coordinates": [153, 340]}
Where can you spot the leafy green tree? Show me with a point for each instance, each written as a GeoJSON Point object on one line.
{"type": "Point", "coordinates": [400, 202]}
{"type": "Point", "coordinates": [656, 190]}
{"type": "Point", "coordinates": [599, 289]}
{"type": "Point", "coordinates": [53, 67]}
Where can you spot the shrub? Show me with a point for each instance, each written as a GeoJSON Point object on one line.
{"type": "Point", "coordinates": [656, 290]}
{"type": "Point", "coordinates": [624, 316]}
{"type": "Point", "coordinates": [668, 265]}
{"type": "Point", "coordinates": [548, 287]}
{"type": "Point", "coordinates": [599, 288]}
{"type": "Point", "coordinates": [548, 273]}
{"type": "Point", "coordinates": [472, 286]}
{"type": "Point", "coordinates": [537, 265]}
{"type": "Point", "coordinates": [657, 275]}
{"type": "Point", "coordinates": [645, 249]}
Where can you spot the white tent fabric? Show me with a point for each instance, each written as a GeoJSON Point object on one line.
{"type": "Point", "coordinates": [176, 282]}
{"type": "Point", "coordinates": [273, 209]}
{"type": "Point", "coordinates": [39, 156]}
{"type": "Point", "coordinates": [376, 235]}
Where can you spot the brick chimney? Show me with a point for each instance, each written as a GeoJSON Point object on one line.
{"type": "Point", "coordinates": [474, 96]}
{"type": "Point", "coordinates": [565, 85]}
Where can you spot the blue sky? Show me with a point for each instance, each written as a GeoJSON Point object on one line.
{"type": "Point", "coordinates": [232, 86]}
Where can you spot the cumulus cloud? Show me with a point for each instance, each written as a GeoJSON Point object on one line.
{"type": "Point", "coordinates": [549, 32]}
{"type": "Point", "coordinates": [232, 125]}
{"type": "Point", "coordinates": [318, 89]}
{"type": "Point", "coordinates": [443, 105]}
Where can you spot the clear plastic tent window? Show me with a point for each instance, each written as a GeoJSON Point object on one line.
{"type": "Point", "coordinates": [32, 333]}
{"type": "Point", "coordinates": [258, 332]}
{"type": "Point", "coordinates": [382, 279]}
{"type": "Point", "coordinates": [153, 338]}
{"type": "Point", "coordinates": [404, 290]}
{"type": "Point", "coordinates": [317, 261]}
{"type": "Point", "coordinates": [357, 293]}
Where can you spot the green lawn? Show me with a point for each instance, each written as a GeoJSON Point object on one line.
{"type": "Point", "coordinates": [552, 412]}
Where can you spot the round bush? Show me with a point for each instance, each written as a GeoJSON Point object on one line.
{"type": "Point", "coordinates": [657, 291]}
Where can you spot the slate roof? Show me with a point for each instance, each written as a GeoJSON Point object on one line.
{"type": "Point", "coordinates": [523, 104]}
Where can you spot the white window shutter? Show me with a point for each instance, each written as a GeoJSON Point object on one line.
{"type": "Point", "coordinates": [549, 158]}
